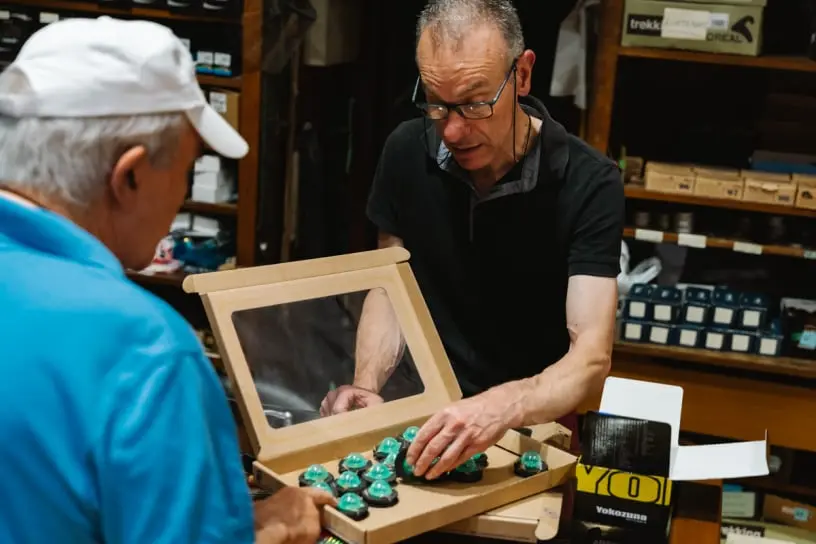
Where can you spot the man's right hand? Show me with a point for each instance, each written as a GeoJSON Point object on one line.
{"type": "Point", "coordinates": [346, 398]}
{"type": "Point", "coordinates": [290, 516]}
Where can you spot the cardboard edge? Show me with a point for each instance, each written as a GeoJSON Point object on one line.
{"type": "Point", "coordinates": [276, 273]}
{"type": "Point", "coordinates": [501, 524]}
{"type": "Point", "coordinates": [522, 489]}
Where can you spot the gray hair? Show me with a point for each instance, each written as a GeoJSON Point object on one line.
{"type": "Point", "coordinates": [450, 20]}
{"type": "Point", "coordinates": [71, 159]}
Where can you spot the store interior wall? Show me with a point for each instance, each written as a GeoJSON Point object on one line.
{"type": "Point", "coordinates": [345, 112]}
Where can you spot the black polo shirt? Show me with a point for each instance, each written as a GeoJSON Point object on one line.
{"type": "Point", "coordinates": [494, 270]}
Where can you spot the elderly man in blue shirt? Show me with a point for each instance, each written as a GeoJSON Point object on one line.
{"type": "Point", "coordinates": [114, 425]}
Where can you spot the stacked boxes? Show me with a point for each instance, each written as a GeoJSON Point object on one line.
{"type": "Point", "coordinates": [730, 184]}
{"type": "Point", "coordinates": [717, 319]}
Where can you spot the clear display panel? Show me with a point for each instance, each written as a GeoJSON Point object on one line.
{"type": "Point", "coordinates": [298, 352]}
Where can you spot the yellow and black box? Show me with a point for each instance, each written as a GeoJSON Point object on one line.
{"type": "Point", "coordinates": [622, 477]}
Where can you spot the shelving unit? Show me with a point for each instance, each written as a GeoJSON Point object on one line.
{"type": "Point", "coordinates": [725, 394]}
{"type": "Point", "coordinates": [787, 366]}
{"type": "Point", "coordinates": [146, 13]}
{"type": "Point", "coordinates": [701, 241]}
{"type": "Point", "coordinates": [248, 84]}
{"type": "Point", "coordinates": [639, 193]}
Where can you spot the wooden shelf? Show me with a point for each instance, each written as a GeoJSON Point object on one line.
{"type": "Point", "coordinates": [787, 366]}
{"type": "Point", "coordinates": [208, 208]}
{"type": "Point", "coordinates": [768, 484]}
{"type": "Point", "coordinates": [697, 241]}
{"type": "Point", "coordinates": [147, 13]}
{"type": "Point", "coordinates": [796, 64]}
{"type": "Point", "coordinates": [639, 193]}
{"type": "Point", "coordinates": [218, 81]}
{"type": "Point", "coordinates": [158, 278]}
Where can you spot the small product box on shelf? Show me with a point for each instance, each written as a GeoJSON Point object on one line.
{"type": "Point", "coordinates": [634, 331]}
{"type": "Point", "coordinates": [753, 311]}
{"type": "Point", "coordinates": [669, 178]}
{"type": "Point", "coordinates": [806, 194]}
{"type": "Point", "coordinates": [697, 306]}
{"type": "Point", "coordinates": [741, 341]}
{"type": "Point", "coordinates": [631, 459]}
{"type": "Point", "coordinates": [710, 27]}
{"type": "Point", "coordinates": [359, 455]}
{"type": "Point", "coordinates": [716, 339]}
{"type": "Point", "coordinates": [769, 341]}
{"type": "Point", "coordinates": [667, 304]}
{"type": "Point", "coordinates": [769, 188]}
{"type": "Point", "coordinates": [687, 335]}
{"type": "Point", "coordinates": [725, 306]}
{"type": "Point", "coordinates": [719, 183]}
{"type": "Point", "coordinates": [638, 304]}
{"type": "Point", "coordinates": [661, 333]}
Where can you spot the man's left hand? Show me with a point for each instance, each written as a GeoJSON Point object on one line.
{"type": "Point", "coordinates": [462, 430]}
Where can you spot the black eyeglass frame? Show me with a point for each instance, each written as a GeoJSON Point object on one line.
{"type": "Point", "coordinates": [459, 108]}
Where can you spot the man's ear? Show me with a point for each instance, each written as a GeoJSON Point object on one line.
{"type": "Point", "coordinates": [524, 72]}
{"type": "Point", "coordinates": [124, 179]}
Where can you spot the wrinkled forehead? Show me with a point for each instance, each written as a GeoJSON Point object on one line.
{"type": "Point", "coordinates": [458, 64]}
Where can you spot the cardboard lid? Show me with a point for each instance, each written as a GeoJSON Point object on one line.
{"type": "Point", "coordinates": [714, 172]}
{"type": "Point", "coordinates": [758, 175]}
{"type": "Point", "coordinates": [669, 168]}
{"type": "Point", "coordinates": [227, 294]}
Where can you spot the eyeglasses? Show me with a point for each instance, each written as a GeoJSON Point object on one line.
{"type": "Point", "coordinates": [471, 110]}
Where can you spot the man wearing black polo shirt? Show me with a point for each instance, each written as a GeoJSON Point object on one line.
{"type": "Point", "coordinates": [514, 229]}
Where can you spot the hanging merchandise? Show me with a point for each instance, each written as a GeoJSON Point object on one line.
{"type": "Point", "coordinates": [645, 271]}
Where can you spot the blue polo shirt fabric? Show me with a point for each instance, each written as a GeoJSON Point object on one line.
{"type": "Point", "coordinates": [113, 424]}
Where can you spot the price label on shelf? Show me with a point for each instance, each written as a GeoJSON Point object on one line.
{"type": "Point", "coordinates": [219, 102]}
{"type": "Point", "coordinates": [692, 240]}
{"type": "Point", "coordinates": [649, 235]}
{"type": "Point", "coordinates": [745, 247]}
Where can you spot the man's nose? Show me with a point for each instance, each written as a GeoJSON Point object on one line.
{"type": "Point", "coordinates": [455, 129]}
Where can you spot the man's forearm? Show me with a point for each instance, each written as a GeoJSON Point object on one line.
{"type": "Point", "coordinates": [380, 343]}
{"type": "Point", "coordinates": [559, 389]}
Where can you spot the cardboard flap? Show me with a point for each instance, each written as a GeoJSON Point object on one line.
{"type": "Point", "coordinates": [663, 403]}
{"type": "Point", "coordinates": [235, 298]}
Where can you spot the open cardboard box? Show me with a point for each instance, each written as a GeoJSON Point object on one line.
{"type": "Point", "coordinates": [284, 453]}
{"type": "Point", "coordinates": [533, 519]}
{"type": "Point", "coordinates": [631, 455]}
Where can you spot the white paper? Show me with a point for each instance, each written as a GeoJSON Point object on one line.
{"type": "Point", "coordinates": [685, 24]}
{"type": "Point", "coordinates": [720, 461]}
{"type": "Point", "coordinates": [692, 240]}
{"type": "Point", "coordinates": [649, 235]}
{"type": "Point", "coordinates": [745, 247]}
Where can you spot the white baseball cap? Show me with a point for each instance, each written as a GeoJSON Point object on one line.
{"type": "Point", "coordinates": [112, 67]}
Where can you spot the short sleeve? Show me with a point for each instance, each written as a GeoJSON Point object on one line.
{"type": "Point", "coordinates": [595, 243]}
{"type": "Point", "coordinates": [168, 462]}
{"type": "Point", "coordinates": [381, 208]}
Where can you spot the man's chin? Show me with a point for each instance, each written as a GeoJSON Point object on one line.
{"type": "Point", "coordinates": [471, 159]}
